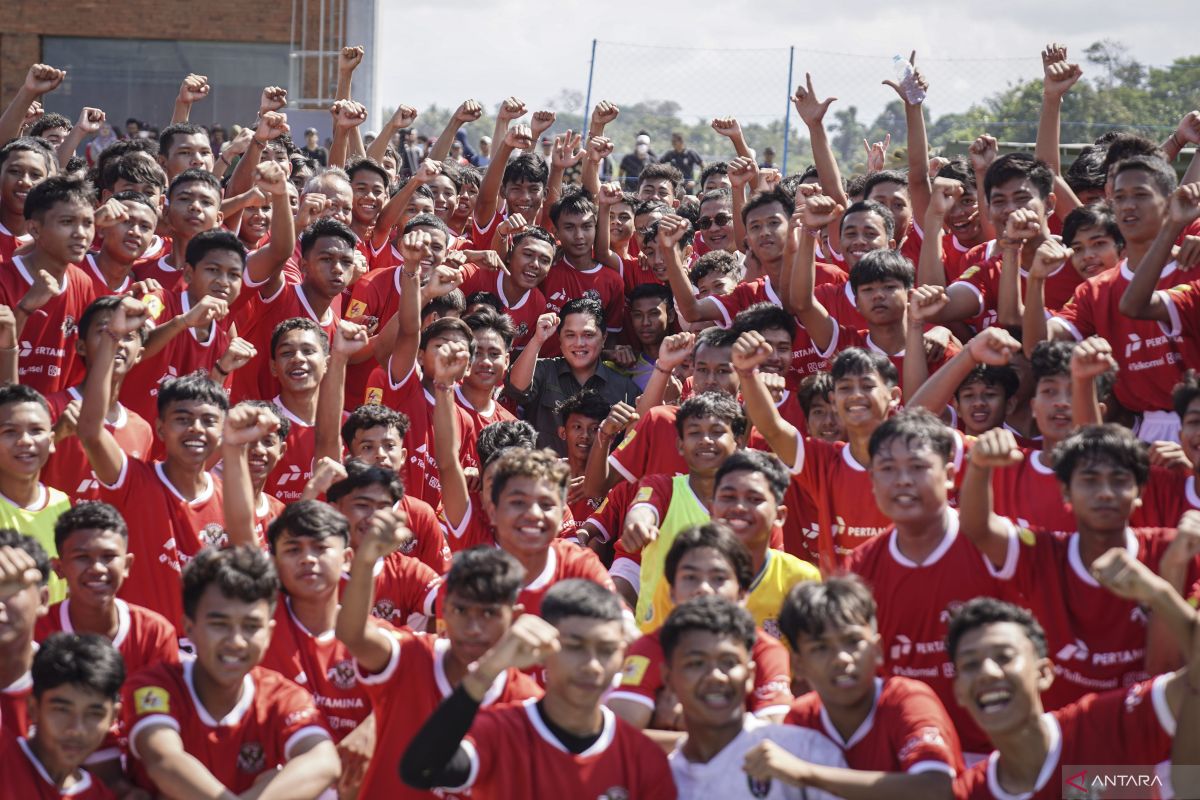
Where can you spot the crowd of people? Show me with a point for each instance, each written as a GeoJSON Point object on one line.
{"type": "Point", "coordinates": [362, 472]}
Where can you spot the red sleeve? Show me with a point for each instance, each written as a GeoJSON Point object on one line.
{"type": "Point", "coordinates": [614, 306]}
{"type": "Point", "coordinates": [654, 491]}
{"type": "Point", "coordinates": [1183, 306]}
{"type": "Point", "coordinates": [633, 454]}
{"type": "Point", "coordinates": [409, 583]}
{"type": "Point", "coordinates": [1134, 725]}
{"type": "Point", "coordinates": [296, 714]}
{"type": "Point", "coordinates": [641, 675]}
{"type": "Point", "coordinates": [610, 516]}
{"type": "Point", "coordinates": [1077, 312]}
{"type": "Point", "coordinates": [772, 676]}
{"type": "Point", "coordinates": [430, 547]}
{"type": "Point", "coordinates": [583, 563]}
{"type": "Point", "coordinates": [741, 298]}
{"type": "Point", "coordinates": [150, 697]}
{"type": "Point", "coordinates": [920, 728]}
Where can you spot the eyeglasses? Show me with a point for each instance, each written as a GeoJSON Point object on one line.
{"type": "Point", "coordinates": [720, 220]}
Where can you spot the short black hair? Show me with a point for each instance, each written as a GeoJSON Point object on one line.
{"type": "Point", "coordinates": [710, 614]}
{"type": "Point", "coordinates": [658, 291]}
{"type": "Point", "coordinates": [176, 129]}
{"type": "Point", "coordinates": [451, 304]}
{"type": "Point", "coordinates": [1012, 166]}
{"type": "Point", "coordinates": [1107, 444]}
{"type": "Point", "coordinates": [309, 519]}
{"type": "Point", "coordinates": [489, 299]}
{"type": "Point", "coordinates": [813, 607]}
{"type": "Point", "coordinates": [717, 261]}
{"type": "Point", "coordinates": [959, 169]}
{"type": "Point", "coordinates": [86, 660]}
{"type": "Point", "coordinates": [1003, 377]}
{"type": "Point", "coordinates": [980, 611]}
{"type": "Point", "coordinates": [712, 404]}
{"type": "Point", "coordinates": [1052, 359]}
{"type": "Point", "coordinates": [586, 403]}
{"type": "Point", "coordinates": [285, 424]}
{"type": "Point", "coordinates": [499, 436]}
{"type": "Point", "coordinates": [130, 196]}
{"type": "Point", "coordinates": [1185, 392]}
{"type": "Point", "coordinates": [766, 464]}
{"type": "Point", "coordinates": [817, 385]}
{"type": "Point", "coordinates": [1160, 172]}
{"type": "Point", "coordinates": [871, 207]}
{"type": "Point", "coordinates": [360, 474]}
{"type": "Point", "coordinates": [88, 515]}
{"type": "Point", "coordinates": [1095, 215]}
{"type": "Point", "coordinates": [882, 265]}
{"type": "Point", "coordinates": [205, 242]}
{"type": "Point", "coordinates": [535, 232]}
{"type": "Point", "coordinates": [543, 465]}
{"type": "Point", "coordinates": [764, 317]}
{"type": "Point", "coordinates": [135, 166]}
{"type": "Point", "coordinates": [12, 393]}
{"type": "Point", "coordinates": [373, 415]}
{"type": "Point", "coordinates": [528, 168]}
{"type": "Point", "coordinates": [31, 144]}
{"type": "Point", "coordinates": [577, 202]}
{"type": "Point", "coordinates": [326, 226]}
{"type": "Point", "coordinates": [713, 168]}
{"type": "Point", "coordinates": [299, 324]}
{"type": "Point", "coordinates": [54, 190]}
{"type": "Point", "coordinates": [444, 325]}
{"type": "Point", "coordinates": [661, 170]}
{"type": "Point", "coordinates": [243, 573]}
{"type": "Point", "coordinates": [486, 319]}
{"type": "Point", "coordinates": [588, 306]}
{"type": "Point", "coordinates": [195, 386]}
{"type": "Point", "coordinates": [21, 541]}
{"type": "Point", "coordinates": [579, 597]}
{"type": "Point", "coordinates": [366, 164]}
{"type": "Point", "coordinates": [859, 361]}
{"type": "Point", "coordinates": [1087, 171]}
{"type": "Point", "coordinates": [110, 303]}
{"type": "Point", "coordinates": [776, 195]}
{"type": "Point", "coordinates": [428, 221]}
{"type": "Point", "coordinates": [916, 427]}
{"type": "Point", "coordinates": [650, 233]}
{"type": "Point", "coordinates": [1120, 145]}
{"type": "Point", "coordinates": [195, 175]}
{"type": "Point", "coordinates": [884, 176]}
{"type": "Point", "coordinates": [485, 575]}
{"type": "Point", "coordinates": [718, 537]}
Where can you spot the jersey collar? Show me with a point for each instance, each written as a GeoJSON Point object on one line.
{"type": "Point", "coordinates": [204, 495]}
{"type": "Point", "coordinates": [1049, 766]}
{"type": "Point", "coordinates": [947, 540]}
{"type": "Point", "coordinates": [19, 263]}
{"type": "Point", "coordinates": [860, 733]}
{"type": "Point", "coordinates": [1076, 560]}
{"type": "Point", "coordinates": [234, 717]}
{"type": "Point", "coordinates": [608, 730]}
{"type": "Point", "coordinates": [83, 785]}
{"type": "Point", "coordinates": [543, 580]}
{"type": "Point", "coordinates": [123, 620]}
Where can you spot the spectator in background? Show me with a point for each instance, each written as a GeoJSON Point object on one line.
{"type": "Point", "coordinates": [312, 150]}
{"type": "Point", "coordinates": [103, 139]}
{"type": "Point", "coordinates": [132, 128]}
{"type": "Point", "coordinates": [217, 137]}
{"type": "Point", "coordinates": [456, 153]}
{"type": "Point", "coordinates": [685, 160]}
{"type": "Point", "coordinates": [547, 148]}
{"type": "Point", "coordinates": [768, 161]}
{"type": "Point", "coordinates": [410, 153]}
{"type": "Point", "coordinates": [633, 163]}
{"type": "Point", "coordinates": [485, 151]}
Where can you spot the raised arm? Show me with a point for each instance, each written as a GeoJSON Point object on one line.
{"type": "Point", "coordinates": [403, 117]}
{"type": "Point", "coordinates": [503, 144]}
{"type": "Point", "coordinates": [393, 209]}
{"type": "Point", "coordinates": [1057, 78]}
{"type": "Point", "coordinates": [742, 173]}
{"type": "Point", "coordinates": [348, 60]}
{"type": "Point", "coordinates": [597, 477]}
{"type": "Point", "coordinates": [749, 352]}
{"type": "Point", "coordinates": [673, 351]}
{"type": "Point", "coordinates": [90, 120]}
{"type": "Point", "coordinates": [193, 89]}
{"type": "Point", "coordinates": [244, 425]}
{"type": "Point", "coordinates": [347, 117]}
{"type": "Point", "coordinates": [986, 529]}
{"type": "Point", "coordinates": [350, 338]}
{"type": "Point", "coordinates": [40, 80]}
{"type": "Point", "coordinates": [1140, 300]}
{"type": "Point", "coordinates": [264, 266]}
{"type": "Point", "coordinates": [1022, 225]}
{"type": "Point", "coordinates": [819, 212]}
{"type": "Point", "coordinates": [671, 230]}
{"type": "Point", "coordinates": [271, 125]}
{"type": "Point", "coordinates": [982, 152]}
{"type": "Point", "coordinates": [1091, 359]}
{"type": "Point", "coordinates": [812, 111]}
{"type": "Point", "coordinates": [993, 346]}
{"type": "Point", "coordinates": [918, 144]}
{"type": "Point", "coordinates": [102, 450]}
{"type": "Point", "coordinates": [467, 111]}
{"type": "Point", "coordinates": [415, 246]}
{"type": "Point", "coordinates": [607, 195]}
{"type": "Point", "coordinates": [731, 129]}
{"type": "Point", "coordinates": [450, 367]}
{"type": "Point", "coordinates": [567, 152]}
{"type": "Point", "coordinates": [520, 375]}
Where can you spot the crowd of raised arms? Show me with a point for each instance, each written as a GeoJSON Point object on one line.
{"type": "Point", "coordinates": [377, 475]}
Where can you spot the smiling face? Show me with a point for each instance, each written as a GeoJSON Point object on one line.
{"type": "Point", "coordinates": [998, 677]}
{"type": "Point", "coordinates": [620, 223]}
{"type": "Point", "coordinates": [1017, 194]}
{"type": "Point", "coordinates": [964, 219]}
{"type": "Point", "coordinates": [490, 363]}
{"type": "Point", "coordinates": [581, 339]}
{"type": "Point", "coordinates": [299, 361]}
{"type": "Point", "coordinates": [823, 422]}
{"type": "Point", "coordinates": [71, 722]}
{"type": "Point", "coordinates": [766, 230]}
{"type": "Point", "coordinates": [862, 232]}
{"type": "Point", "coordinates": [579, 433]}
{"type": "Point", "coordinates": [1103, 495]}
{"type": "Point", "coordinates": [744, 501]}
{"type": "Point", "coordinates": [840, 664]}
{"type": "Point", "coordinates": [218, 274]}
{"type": "Point", "coordinates": [527, 516]}
{"type": "Point", "coordinates": [328, 265]}
{"type": "Point", "coordinates": [529, 263]}
{"type": "Point", "coordinates": [705, 442]}
{"type": "Point", "coordinates": [264, 455]}
{"type": "Point", "coordinates": [229, 634]}
{"type": "Point", "coordinates": [719, 233]}
{"type": "Point", "coordinates": [190, 431]}
{"type": "Point", "coordinates": [94, 563]}
{"type": "Point", "coordinates": [711, 674]}
{"type": "Point", "coordinates": [310, 567]}
{"type": "Point", "coordinates": [911, 482]}
{"type": "Point", "coordinates": [1093, 251]}
{"type": "Point", "coordinates": [780, 360]}
{"type": "Point", "coordinates": [1137, 205]}
{"type": "Point", "coordinates": [64, 232]}
{"type": "Point", "coordinates": [370, 193]}
{"type": "Point", "coordinates": [981, 406]}
{"type": "Point", "coordinates": [22, 171]}
{"type": "Point", "coordinates": [445, 197]}
{"type": "Point", "coordinates": [524, 197]}
{"type": "Point", "coordinates": [26, 438]}
{"type": "Point", "coordinates": [862, 402]}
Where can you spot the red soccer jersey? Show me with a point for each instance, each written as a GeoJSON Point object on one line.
{"type": "Point", "coordinates": [14, 702]}
{"type": "Point", "coordinates": [409, 397]}
{"type": "Point", "coordinates": [565, 283]}
{"type": "Point", "coordinates": [68, 469]}
{"type": "Point", "coordinates": [143, 638]}
{"type": "Point", "coordinates": [1029, 493]}
{"type": "Point", "coordinates": [90, 268]}
{"type": "Point", "coordinates": [915, 602]}
{"type": "Point", "coordinates": [265, 512]}
{"type": "Point", "coordinates": [523, 310]}
{"type": "Point", "coordinates": [287, 481]}
{"type": "Point", "coordinates": [954, 257]}
{"type": "Point", "coordinates": [650, 448]}
{"type": "Point", "coordinates": [641, 675]}
{"type": "Point", "coordinates": [514, 754]}
{"type": "Point", "coordinates": [375, 297]}
{"type": "Point", "coordinates": [1124, 726]}
{"type": "Point", "coordinates": [1168, 495]}
{"type": "Point", "coordinates": [477, 419]}
{"type": "Point", "coordinates": [320, 664]}
{"type": "Point", "coordinates": [406, 693]}
{"type": "Point", "coordinates": [257, 322]}
{"type": "Point", "coordinates": [47, 360]}
{"type": "Point", "coordinates": [845, 337]}
{"type": "Point", "coordinates": [26, 777]}
{"type": "Point", "coordinates": [183, 355]}
{"type": "Point", "coordinates": [481, 238]}
{"type": "Point", "coordinates": [404, 588]}
{"type": "Point", "coordinates": [257, 736]}
{"type": "Point", "coordinates": [429, 540]}
{"type": "Point", "coordinates": [907, 730]}
{"type": "Point", "coordinates": [159, 269]}
{"type": "Point", "coordinates": [609, 518]}
{"type": "Point", "coordinates": [839, 301]}
{"type": "Point", "coordinates": [11, 242]}
{"type": "Point", "coordinates": [165, 532]}
{"type": "Point", "coordinates": [1183, 306]}
{"type": "Point", "coordinates": [1096, 639]}
{"type": "Point", "coordinates": [983, 280]}
{"type": "Point", "coordinates": [1149, 360]}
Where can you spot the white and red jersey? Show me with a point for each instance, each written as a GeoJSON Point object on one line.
{"type": "Point", "coordinates": [46, 357]}
{"type": "Point", "coordinates": [258, 735]}
{"type": "Point", "coordinates": [907, 730]}
{"type": "Point", "coordinates": [11, 243]}
{"type": "Point", "coordinates": [838, 299]}
{"type": "Point", "coordinates": [1096, 639]}
{"type": "Point", "coordinates": [406, 693]}
{"type": "Point", "coordinates": [320, 664]}
{"type": "Point", "coordinates": [256, 322]}
{"type": "Point", "coordinates": [1125, 726]}
{"type": "Point", "coordinates": [954, 256]}
{"type": "Point", "coordinates": [514, 754]}
{"type": "Point", "coordinates": [983, 279]}
{"type": "Point", "coordinates": [375, 298]}
{"type": "Point", "coordinates": [524, 310]}
{"type": "Point", "coordinates": [481, 237]}
{"type": "Point", "coordinates": [68, 469]}
{"type": "Point", "coordinates": [158, 268]}
{"type": "Point", "coordinates": [1183, 306]}
{"type": "Point", "coordinates": [478, 419]}
{"type": "Point", "coordinates": [650, 448]}
{"type": "Point", "coordinates": [287, 481]}
{"type": "Point", "coordinates": [1149, 357]}
{"type": "Point", "coordinates": [26, 777]}
{"type": "Point", "coordinates": [405, 591]}
{"type": "Point", "coordinates": [143, 637]}
{"type": "Point", "coordinates": [409, 397]}
{"type": "Point", "coordinates": [1029, 493]}
{"type": "Point", "coordinates": [641, 675]}
{"type": "Point", "coordinates": [429, 539]}
{"type": "Point", "coordinates": [166, 530]}
{"type": "Point", "coordinates": [265, 511]}
{"type": "Point", "coordinates": [183, 355]}
{"type": "Point", "coordinates": [845, 337]}
{"type": "Point", "coordinates": [92, 270]}
{"type": "Point", "coordinates": [1166, 497]}
{"type": "Point", "coordinates": [915, 604]}
{"type": "Point", "coordinates": [565, 283]}
{"type": "Point", "coordinates": [14, 701]}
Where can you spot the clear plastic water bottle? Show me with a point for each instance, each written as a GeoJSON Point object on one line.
{"type": "Point", "coordinates": [907, 78]}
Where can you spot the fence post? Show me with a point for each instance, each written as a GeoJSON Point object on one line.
{"type": "Point", "coordinates": [587, 103]}
{"type": "Point", "coordinates": [787, 115]}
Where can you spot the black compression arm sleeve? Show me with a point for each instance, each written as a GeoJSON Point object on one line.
{"type": "Point", "coordinates": [436, 757]}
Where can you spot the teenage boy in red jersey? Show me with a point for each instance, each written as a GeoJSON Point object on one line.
{"type": "Point", "coordinates": [67, 469]}
{"type": "Point", "coordinates": [24, 163]}
{"type": "Point", "coordinates": [369, 183]}
{"type": "Point", "coordinates": [193, 206]}
{"type": "Point", "coordinates": [530, 254]}
{"type": "Point", "coordinates": [299, 358]}
{"type": "Point", "coordinates": [897, 739]}
{"type": "Point", "coordinates": [999, 652]}
{"type": "Point", "coordinates": [330, 263]}
{"type": "Point", "coordinates": [407, 674]}
{"type": "Point", "coordinates": [194, 330]}
{"type": "Point", "coordinates": [1150, 362]}
{"type": "Point", "coordinates": [707, 560]}
{"type": "Point", "coordinates": [1097, 640]}
{"type": "Point", "coordinates": [253, 441]}
{"type": "Point", "coordinates": [923, 559]}
{"type": "Point", "coordinates": [493, 335]}
{"type": "Point", "coordinates": [172, 507]}
{"type": "Point", "coordinates": [183, 146]}
{"type": "Point", "coordinates": [126, 224]}
{"type": "Point", "coordinates": [509, 188]}
{"type": "Point", "coordinates": [46, 291]}
{"type": "Point", "coordinates": [75, 700]}
{"type": "Point", "coordinates": [269, 731]}
{"type": "Point", "coordinates": [23, 599]}
{"type": "Point", "coordinates": [567, 744]}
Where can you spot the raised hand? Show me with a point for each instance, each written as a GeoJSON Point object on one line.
{"type": "Point", "coordinates": [924, 303]}
{"type": "Point", "coordinates": [567, 150]}
{"type": "Point", "coordinates": [524, 645]}
{"type": "Point", "coordinates": [238, 144]}
{"type": "Point", "coordinates": [467, 111]}
{"type": "Point", "coordinates": [996, 448]}
{"type": "Point", "coordinates": [623, 356]}
{"type": "Point", "coordinates": [675, 350]}
{"type": "Point", "coordinates": [742, 171]}
{"type": "Point", "coordinates": [110, 213]}
{"type": "Point", "coordinates": [129, 316]}
{"type": "Point", "coordinates": [877, 153]}
{"type": "Point", "coordinates": [349, 338]}
{"type": "Point", "coordinates": [273, 98]}
{"type": "Point", "coordinates": [442, 281]}
{"type": "Point", "coordinates": [312, 206]}
{"type": "Point", "coordinates": [415, 247]}
{"type": "Point", "coordinates": [935, 165]}
{"type": "Point", "coordinates": [620, 417]}
{"type": "Point", "coordinates": [1049, 256]}
{"type": "Point", "coordinates": [205, 310]}
{"type": "Point", "coordinates": [819, 211]}
{"type": "Point", "coordinates": [728, 127]}
{"type": "Point", "coordinates": [519, 137]}
{"type": "Point", "coordinates": [1092, 358]}
{"type": "Point", "coordinates": [326, 472]}
{"type": "Point", "coordinates": [1184, 204]}
{"type": "Point", "coordinates": [270, 179]}
{"type": "Point", "coordinates": [750, 351]}
{"type": "Point", "coordinates": [451, 363]}
{"type": "Point", "coordinates": [610, 194]}
{"type": "Point", "coordinates": [547, 324]}
{"type": "Point", "coordinates": [32, 115]}
{"type": "Point", "coordinates": [1188, 130]}
{"type": "Point", "coordinates": [541, 122]}
{"type": "Point", "coordinates": [67, 424]}
{"type": "Point", "coordinates": [350, 58]}
{"type": "Point", "coordinates": [671, 230]}
{"type": "Point", "coordinates": [604, 113]}
{"type": "Point", "coordinates": [599, 148]}
{"type": "Point", "coordinates": [1057, 75]}
{"type": "Point", "coordinates": [44, 287]}
{"type": "Point", "coordinates": [1124, 575]}
{"type": "Point", "coordinates": [993, 346]}
{"type": "Point", "coordinates": [808, 106]}
{"type": "Point", "coordinates": [43, 78]}
{"type": "Point", "coordinates": [90, 120]}
{"type": "Point", "coordinates": [918, 78]}
{"type": "Point", "coordinates": [246, 424]}
{"type": "Point", "coordinates": [636, 535]}
{"type": "Point", "coordinates": [511, 225]}
{"type": "Point", "coordinates": [348, 114]}
{"type": "Point", "coordinates": [983, 152]}
{"type": "Point", "coordinates": [18, 571]}
{"type": "Point", "coordinates": [239, 353]}
{"type": "Point", "coordinates": [944, 194]}
{"type": "Point", "coordinates": [385, 532]}
{"type": "Point", "coordinates": [1022, 225]}
{"type": "Point", "coordinates": [271, 125]}
{"type": "Point", "coordinates": [511, 108]}
{"type": "Point", "coordinates": [193, 88]}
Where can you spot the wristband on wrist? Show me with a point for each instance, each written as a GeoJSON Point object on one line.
{"type": "Point", "coordinates": [666, 372]}
{"type": "Point", "coordinates": [259, 142]}
{"type": "Point", "coordinates": [224, 373]}
{"type": "Point", "coordinates": [445, 387]}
